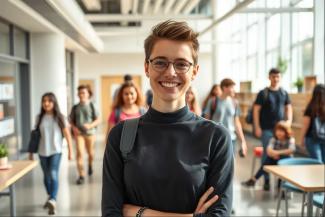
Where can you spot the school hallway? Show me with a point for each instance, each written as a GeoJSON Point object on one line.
{"type": "Point", "coordinates": [84, 200]}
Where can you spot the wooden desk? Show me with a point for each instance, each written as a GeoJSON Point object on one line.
{"type": "Point", "coordinates": [10, 176]}
{"type": "Point", "coordinates": [309, 178]}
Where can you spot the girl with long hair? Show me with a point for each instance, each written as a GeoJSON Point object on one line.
{"type": "Point", "coordinates": [213, 94]}
{"type": "Point", "coordinates": [192, 100]}
{"type": "Point", "coordinates": [53, 128]}
{"type": "Point", "coordinates": [128, 104]}
{"type": "Point", "coordinates": [314, 117]}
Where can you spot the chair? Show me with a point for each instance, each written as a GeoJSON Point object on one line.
{"type": "Point", "coordinates": [319, 202]}
{"type": "Point", "coordinates": [257, 153]}
{"type": "Point", "coordinates": [285, 186]}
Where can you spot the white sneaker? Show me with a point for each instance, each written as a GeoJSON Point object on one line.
{"type": "Point", "coordinates": [52, 207]}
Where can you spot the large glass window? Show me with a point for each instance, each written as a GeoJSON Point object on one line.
{"type": "Point", "coordinates": [4, 38]}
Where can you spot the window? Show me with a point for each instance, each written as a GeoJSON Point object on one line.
{"type": "Point", "coordinates": [20, 43]}
{"type": "Point", "coordinates": [4, 38]}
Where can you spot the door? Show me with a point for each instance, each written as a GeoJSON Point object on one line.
{"type": "Point", "coordinates": [109, 85]}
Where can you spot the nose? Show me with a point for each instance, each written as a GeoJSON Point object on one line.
{"type": "Point", "coordinates": [170, 71]}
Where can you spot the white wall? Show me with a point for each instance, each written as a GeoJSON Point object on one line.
{"type": "Point", "coordinates": [48, 71]}
{"type": "Point", "coordinates": [93, 66]}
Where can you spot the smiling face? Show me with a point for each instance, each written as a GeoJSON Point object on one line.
{"type": "Point", "coordinates": [47, 104]}
{"type": "Point", "coordinates": [129, 95]}
{"type": "Point", "coordinates": [280, 134]}
{"type": "Point", "coordinates": [168, 86]}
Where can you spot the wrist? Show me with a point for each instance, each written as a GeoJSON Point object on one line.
{"type": "Point", "coordinates": [140, 212]}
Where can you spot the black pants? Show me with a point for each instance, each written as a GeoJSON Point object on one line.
{"type": "Point", "coordinates": [268, 161]}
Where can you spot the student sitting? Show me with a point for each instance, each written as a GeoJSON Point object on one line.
{"type": "Point", "coordinates": [281, 146]}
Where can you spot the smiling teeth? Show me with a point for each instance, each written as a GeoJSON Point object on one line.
{"type": "Point", "coordinates": [168, 84]}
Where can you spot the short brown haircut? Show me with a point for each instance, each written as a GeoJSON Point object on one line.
{"type": "Point", "coordinates": [226, 83]}
{"type": "Point", "coordinates": [87, 87]}
{"type": "Point", "coordinates": [172, 30]}
{"type": "Point", "coordinates": [274, 71]}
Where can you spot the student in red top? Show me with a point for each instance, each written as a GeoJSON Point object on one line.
{"type": "Point", "coordinates": [128, 105]}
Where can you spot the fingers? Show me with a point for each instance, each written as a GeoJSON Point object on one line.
{"type": "Point", "coordinates": [209, 203]}
{"type": "Point", "coordinates": [205, 197]}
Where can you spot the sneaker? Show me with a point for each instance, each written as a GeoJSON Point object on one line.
{"type": "Point", "coordinates": [52, 207]}
{"type": "Point", "coordinates": [249, 183]}
{"type": "Point", "coordinates": [80, 180]}
{"type": "Point", "coordinates": [90, 170]}
{"type": "Point", "coordinates": [266, 186]}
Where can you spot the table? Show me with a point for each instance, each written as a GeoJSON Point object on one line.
{"type": "Point", "coordinates": [9, 177]}
{"type": "Point", "coordinates": [309, 178]}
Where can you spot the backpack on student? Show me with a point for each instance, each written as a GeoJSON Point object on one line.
{"type": "Point", "coordinates": [249, 116]}
{"type": "Point", "coordinates": [318, 129]}
{"type": "Point", "coordinates": [118, 112]}
{"type": "Point", "coordinates": [213, 106]}
{"type": "Point", "coordinates": [128, 135]}
{"type": "Point", "coordinates": [74, 109]}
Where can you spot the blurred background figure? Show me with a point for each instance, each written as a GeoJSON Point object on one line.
{"type": "Point", "coordinates": [129, 104]}
{"type": "Point", "coordinates": [149, 97]}
{"type": "Point", "coordinates": [214, 92]}
{"type": "Point", "coordinates": [192, 101]}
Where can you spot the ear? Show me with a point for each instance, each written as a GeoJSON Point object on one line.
{"type": "Point", "coordinates": [146, 68]}
{"type": "Point", "coordinates": [195, 71]}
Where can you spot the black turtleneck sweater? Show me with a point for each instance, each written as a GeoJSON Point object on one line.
{"type": "Point", "coordinates": [176, 157]}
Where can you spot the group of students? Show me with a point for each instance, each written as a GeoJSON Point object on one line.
{"type": "Point", "coordinates": [177, 163]}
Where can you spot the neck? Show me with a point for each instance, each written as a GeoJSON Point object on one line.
{"type": "Point", "coordinates": [167, 106]}
{"type": "Point", "coordinates": [129, 106]}
{"type": "Point", "coordinates": [49, 112]}
{"type": "Point", "coordinates": [84, 102]}
{"type": "Point", "coordinates": [275, 87]}
{"type": "Point", "coordinates": [224, 96]}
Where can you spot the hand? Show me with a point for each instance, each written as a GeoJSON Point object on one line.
{"type": "Point", "coordinates": [129, 210]}
{"type": "Point", "coordinates": [31, 156]}
{"type": "Point", "coordinates": [302, 144]}
{"type": "Point", "coordinates": [244, 148]}
{"type": "Point", "coordinates": [204, 203]}
{"type": "Point", "coordinates": [70, 156]}
{"type": "Point", "coordinates": [258, 132]}
{"type": "Point", "coordinates": [87, 126]}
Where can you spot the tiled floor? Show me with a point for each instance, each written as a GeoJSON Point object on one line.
{"type": "Point", "coordinates": [85, 200]}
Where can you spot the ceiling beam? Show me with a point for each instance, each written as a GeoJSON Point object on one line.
{"type": "Point", "coordinates": [92, 5]}
{"type": "Point", "coordinates": [235, 9]}
{"type": "Point", "coordinates": [179, 6]}
{"type": "Point", "coordinates": [98, 18]}
{"type": "Point", "coordinates": [190, 6]}
{"type": "Point", "coordinates": [276, 10]}
{"type": "Point", "coordinates": [157, 6]}
{"type": "Point", "coordinates": [145, 6]}
{"type": "Point", "coordinates": [168, 6]}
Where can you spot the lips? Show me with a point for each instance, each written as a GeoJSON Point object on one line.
{"type": "Point", "coordinates": [169, 84]}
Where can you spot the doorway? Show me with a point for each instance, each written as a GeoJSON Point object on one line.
{"type": "Point", "coordinates": [109, 85]}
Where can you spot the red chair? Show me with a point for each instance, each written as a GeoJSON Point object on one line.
{"type": "Point", "coordinates": [257, 153]}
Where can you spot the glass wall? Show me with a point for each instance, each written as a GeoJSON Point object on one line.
{"type": "Point", "coordinates": [260, 40]}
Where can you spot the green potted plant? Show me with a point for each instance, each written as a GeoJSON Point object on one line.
{"type": "Point", "coordinates": [282, 65]}
{"type": "Point", "coordinates": [3, 155]}
{"type": "Point", "coordinates": [299, 83]}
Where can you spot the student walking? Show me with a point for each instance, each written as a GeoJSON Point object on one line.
{"type": "Point", "coordinates": [272, 105]}
{"type": "Point", "coordinates": [214, 92]}
{"type": "Point", "coordinates": [192, 101]}
{"type": "Point", "coordinates": [313, 127]}
{"type": "Point", "coordinates": [53, 127]}
{"type": "Point", "coordinates": [179, 163]}
{"type": "Point", "coordinates": [84, 119]}
{"type": "Point", "coordinates": [128, 105]}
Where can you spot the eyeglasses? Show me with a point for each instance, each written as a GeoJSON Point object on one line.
{"type": "Point", "coordinates": [161, 65]}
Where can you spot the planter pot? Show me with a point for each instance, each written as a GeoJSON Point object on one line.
{"type": "Point", "coordinates": [299, 89]}
{"type": "Point", "coordinates": [3, 161]}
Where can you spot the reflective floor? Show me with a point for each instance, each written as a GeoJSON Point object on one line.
{"type": "Point", "coordinates": [84, 200]}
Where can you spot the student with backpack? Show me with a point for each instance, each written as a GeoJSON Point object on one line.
{"type": "Point", "coordinates": [168, 162]}
{"type": "Point", "coordinates": [272, 105]}
{"type": "Point", "coordinates": [128, 105]}
{"type": "Point", "coordinates": [53, 127]}
{"type": "Point", "coordinates": [313, 127]}
{"type": "Point", "coordinates": [226, 111]}
{"type": "Point", "coordinates": [215, 91]}
{"type": "Point", "coordinates": [84, 119]}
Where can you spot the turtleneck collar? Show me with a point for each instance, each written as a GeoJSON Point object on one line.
{"type": "Point", "coordinates": [183, 114]}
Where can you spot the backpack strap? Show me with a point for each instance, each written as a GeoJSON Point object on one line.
{"type": "Point", "coordinates": [129, 133]}
{"type": "Point", "coordinates": [93, 113]}
{"type": "Point", "coordinates": [117, 115]}
{"type": "Point", "coordinates": [213, 106]}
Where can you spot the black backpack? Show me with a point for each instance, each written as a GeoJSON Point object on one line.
{"type": "Point", "coordinates": [318, 129]}
{"type": "Point", "coordinates": [249, 117]}
{"type": "Point", "coordinates": [128, 135]}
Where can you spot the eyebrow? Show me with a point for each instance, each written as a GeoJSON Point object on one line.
{"type": "Point", "coordinates": [163, 57]}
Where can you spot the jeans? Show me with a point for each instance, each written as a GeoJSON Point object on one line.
{"type": "Point", "coordinates": [266, 136]}
{"type": "Point", "coordinates": [50, 166]}
{"type": "Point", "coordinates": [315, 148]}
{"type": "Point", "coordinates": [268, 161]}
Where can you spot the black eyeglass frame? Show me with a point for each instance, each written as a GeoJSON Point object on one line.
{"type": "Point", "coordinates": [170, 62]}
